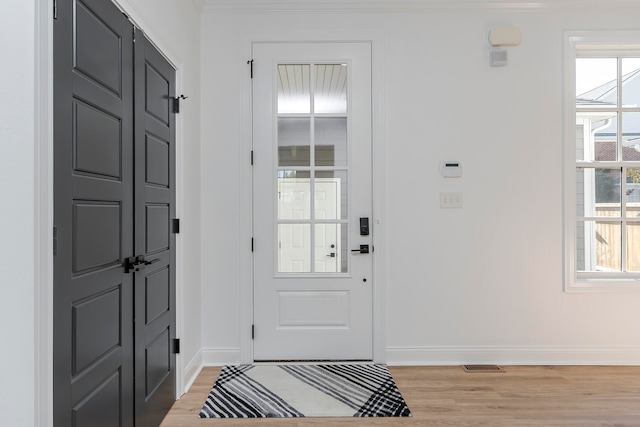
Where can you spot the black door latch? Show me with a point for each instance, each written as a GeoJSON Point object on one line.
{"type": "Point", "coordinates": [137, 263]}
{"type": "Point", "coordinates": [364, 249]}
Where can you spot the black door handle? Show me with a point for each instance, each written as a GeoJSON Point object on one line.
{"type": "Point", "coordinates": [137, 263]}
{"type": "Point", "coordinates": [133, 264]}
{"type": "Point", "coordinates": [364, 249]}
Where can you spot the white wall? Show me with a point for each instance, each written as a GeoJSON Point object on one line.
{"type": "Point", "coordinates": [17, 212]}
{"type": "Point", "coordinates": [479, 284]}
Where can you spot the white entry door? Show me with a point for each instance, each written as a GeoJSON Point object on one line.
{"type": "Point", "coordinates": [313, 284]}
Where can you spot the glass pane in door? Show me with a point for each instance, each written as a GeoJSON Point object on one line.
{"type": "Point", "coordinates": [294, 248]}
{"type": "Point", "coordinates": [330, 134]}
{"type": "Point", "coordinates": [330, 89]}
{"type": "Point", "coordinates": [294, 141]}
{"type": "Point", "coordinates": [294, 95]}
{"type": "Point", "coordinates": [330, 248]}
{"type": "Point", "coordinates": [330, 188]}
{"type": "Point", "coordinates": [294, 195]}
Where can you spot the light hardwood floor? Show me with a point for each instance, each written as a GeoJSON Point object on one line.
{"type": "Point", "coordinates": [580, 396]}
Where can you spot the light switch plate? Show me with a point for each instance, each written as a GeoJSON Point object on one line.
{"type": "Point", "coordinates": [450, 200]}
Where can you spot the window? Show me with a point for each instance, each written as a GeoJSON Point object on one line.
{"type": "Point", "coordinates": [602, 161]}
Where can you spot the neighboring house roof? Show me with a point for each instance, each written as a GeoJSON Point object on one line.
{"type": "Point", "coordinates": [606, 151]}
{"type": "Point", "coordinates": [586, 101]}
{"type": "Point", "coordinates": [607, 92]}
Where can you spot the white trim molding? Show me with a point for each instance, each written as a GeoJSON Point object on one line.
{"type": "Point", "coordinates": [514, 355]}
{"type": "Point", "coordinates": [191, 372]}
{"type": "Point", "coordinates": [411, 5]}
{"type": "Point", "coordinates": [220, 356]}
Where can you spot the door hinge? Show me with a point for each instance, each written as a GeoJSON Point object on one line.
{"type": "Point", "coordinates": [55, 9]}
{"type": "Point", "coordinates": [253, 332]}
{"type": "Point", "coordinates": [250, 62]}
{"type": "Point", "coordinates": [176, 345]}
{"type": "Point", "coordinates": [252, 244]}
{"type": "Point", "coordinates": [55, 240]}
{"type": "Point", "coordinates": [175, 225]}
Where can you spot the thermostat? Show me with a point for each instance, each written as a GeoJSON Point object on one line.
{"type": "Point", "coordinates": [451, 169]}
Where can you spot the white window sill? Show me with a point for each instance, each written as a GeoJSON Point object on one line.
{"type": "Point", "coordinates": [602, 284]}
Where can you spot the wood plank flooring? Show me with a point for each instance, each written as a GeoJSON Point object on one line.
{"type": "Point", "coordinates": [580, 396]}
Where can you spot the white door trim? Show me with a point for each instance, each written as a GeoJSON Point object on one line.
{"type": "Point", "coordinates": [378, 176]}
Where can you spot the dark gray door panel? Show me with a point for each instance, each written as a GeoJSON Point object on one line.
{"type": "Point", "coordinates": [154, 207]}
{"type": "Point", "coordinates": [93, 214]}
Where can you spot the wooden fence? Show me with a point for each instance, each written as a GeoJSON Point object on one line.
{"type": "Point", "coordinates": [608, 238]}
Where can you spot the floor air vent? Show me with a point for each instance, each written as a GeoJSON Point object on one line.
{"type": "Point", "coordinates": [482, 368]}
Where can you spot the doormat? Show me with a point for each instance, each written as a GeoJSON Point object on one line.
{"type": "Point", "coordinates": [277, 391]}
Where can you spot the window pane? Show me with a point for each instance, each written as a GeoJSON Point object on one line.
{"type": "Point", "coordinates": [598, 245]}
{"type": "Point", "coordinates": [604, 133]}
{"type": "Point", "coordinates": [331, 248]}
{"type": "Point", "coordinates": [596, 82]}
{"type": "Point", "coordinates": [608, 244]}
{"type": "Point", "coordinates": [607, 188]}
{"type": "Point", "coordinates": [631, 136]}
{"type": "Point", "coordinates": [633, 246]}
{"type": "Point", "coordinates": [294, 141]}
{"type": "Point", "coordinates": [597, 136]}
{"type": "Point", "coordinates": [294, 195]}
{"type": "Point", "coordinates": [633, 192]}
{"type": "Point", "coordinates": [331, 195]}
{"type": "Point", "coordinates": [294, 95]}
{"type": "Point", "coordinates": [630, 73]}
{"type": "Point", "coordinates": [330, 95]}
{"type": "Point", "coordinates": [294, 248]}
{"type": "Point", "coordinates": [331, 141]}
{"type": "Point", "coordinates": [598, 192]}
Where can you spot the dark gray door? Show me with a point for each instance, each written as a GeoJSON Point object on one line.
{"type": "Point", "coordinates": [93, 215]}
{"type": "Point", "coordinates": [154, 208]}
{"type": "Point", "coordinates": [114, 193]}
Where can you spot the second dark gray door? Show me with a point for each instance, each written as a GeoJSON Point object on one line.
{"type": "Point", "coordinates": [154, 240]}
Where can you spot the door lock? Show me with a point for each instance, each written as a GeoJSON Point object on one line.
{"type": "Point", "coordinates": [364, 249]}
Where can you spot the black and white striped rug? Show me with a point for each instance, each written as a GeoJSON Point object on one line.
{"type": "Point", "coordinates": [260, 391]}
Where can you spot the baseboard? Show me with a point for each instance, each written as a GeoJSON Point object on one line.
{"type": "Point", "coordinates": [524, 355]}
{"type": "Point", "coordinates": [220, 356]}
{"type": "Point", "coordinates": [192, 370]}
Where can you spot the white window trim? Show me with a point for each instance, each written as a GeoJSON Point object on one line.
{"type": "Point", "coordinates": [607, 41]}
